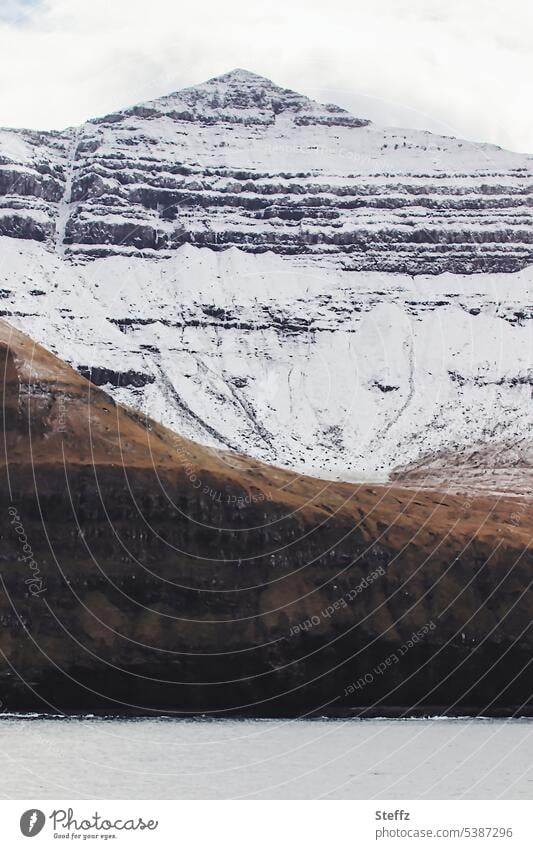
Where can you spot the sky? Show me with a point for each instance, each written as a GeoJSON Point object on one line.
{"type": "Point", "coordinates": [459, 67]}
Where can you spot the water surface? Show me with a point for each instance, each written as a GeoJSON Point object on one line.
{"type": "Point", "coordinates": [265, 759]}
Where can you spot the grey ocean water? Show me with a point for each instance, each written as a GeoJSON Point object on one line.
{"type": "Point", "coordinates": [270, 759]}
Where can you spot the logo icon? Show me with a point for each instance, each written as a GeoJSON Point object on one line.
{"type": "Point", "coordinates": [32, 822]}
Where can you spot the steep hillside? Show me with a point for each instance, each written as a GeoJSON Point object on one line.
{"type": "Point", "coordinates": [142, 572]}
{"type": "Point", "coordinates": [239, 161]}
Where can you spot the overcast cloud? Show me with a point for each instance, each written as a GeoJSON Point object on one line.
{"type": "Point", "coordinates": [462, 67]}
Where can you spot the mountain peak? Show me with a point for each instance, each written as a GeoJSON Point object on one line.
{"type": "Point", "coordinates": [239, 97]}
{"type": "Point", "coordinates": [240, 75]}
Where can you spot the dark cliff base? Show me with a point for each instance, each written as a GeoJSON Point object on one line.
{"type": "Point", "coordinates": [128, 623]}
{"type": "Point", "coordinates": [504, 693]}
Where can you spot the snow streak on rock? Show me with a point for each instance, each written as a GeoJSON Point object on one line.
{"type": "Point", "coordinates": [239, 161]}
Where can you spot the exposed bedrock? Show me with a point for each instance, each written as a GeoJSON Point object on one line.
{"type": "Point", "coordinates": [240, 162]}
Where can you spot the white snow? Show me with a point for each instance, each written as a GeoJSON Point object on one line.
{"type": "Point", "coordinates": [338, 374]}
{"type": "Point", "coordinates": [240, 136]}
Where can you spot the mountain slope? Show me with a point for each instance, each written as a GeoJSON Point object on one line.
{"type": "Point", "coordinates": [238, 161]}
{"type": "Point", "coordinates": [493, 467]}
{"type": "Point", "coordinates": [339, 375]}
{"type": "Point", "coordinates": [273, 339]}
{"type": "Point", "coordinates": [141, 572]}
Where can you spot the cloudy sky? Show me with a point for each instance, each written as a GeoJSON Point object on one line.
{"type": "Point", "coordinates": [461, 67]}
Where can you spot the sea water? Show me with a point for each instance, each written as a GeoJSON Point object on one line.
{"type": "Point", "coordinates": [76, 758]}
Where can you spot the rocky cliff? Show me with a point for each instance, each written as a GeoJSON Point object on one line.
{"type": "Point", "coordinates": [238, 161]}
{"type": "Point", "coordinates": [142, 572]}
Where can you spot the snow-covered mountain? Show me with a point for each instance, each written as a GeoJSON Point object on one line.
{"type": "Point", "coordinates": [238, 161]}
{"type": "Point", "coordinates": [274, 276]}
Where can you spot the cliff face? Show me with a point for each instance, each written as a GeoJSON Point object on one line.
{"type": "Point", "coordinates": [33, 172]}
{"type": "Point", "coordinates": [143, 572]}
{"type": "Point", "coordinates": [239, 161]}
